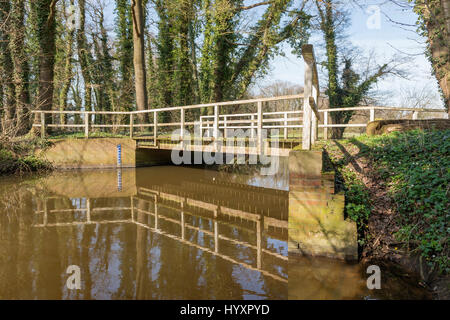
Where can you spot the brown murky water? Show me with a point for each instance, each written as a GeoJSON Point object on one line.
{"type": "Point", "coordinates": [150, 233]}
{"type": "Point", "coordinates": [158, 233]}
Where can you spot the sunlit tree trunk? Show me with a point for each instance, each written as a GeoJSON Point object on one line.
{"type": "Point", "coordinates": [84, 56]}
{"type": "Point", "coordinates": [6, 68]}
{"type": "Point", "coordinates": [139, 55]}
{"type": "Point", "coordinates": [67, 72]}
{"type": "Point", "coordinates": [435, 24]}
{"type": "Point", "coordinates": [21, 68]}
{"type": "Point", "coordinates": [44, 13]}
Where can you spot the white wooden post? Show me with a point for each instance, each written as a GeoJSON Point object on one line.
{"type": "Point", "coordinates": [259, 143]}
{"type": "Point", "coordinates": [315, 105]}
{"type": "Point", "coordinates": [201, 127]}
{"type": "Point", "coordinates": [182, 124]}
{"type": "Point", "coordinates": [307, 111]}
{"type": "Point", "coordinates": [372, 114]}
{"type": "Point", "coordinates": [216, 122]}
{"type": "Point", "coordinates": [42, 125]}
{"type": "Point", "coordinates": [155, 128]}
{"type": "Point", "coordinates": [252, 125]}
{"type": "Point", "coordinates": [325, 122]}
{"type": "Point", "coordinates": [415, 115]}
{"type": "Point", "coordinates": [310, 98]}
{"type": "Point", "coordinates": [225, 127]}
{"type": "Point", "coordinates": [216, 126]}
{"type": "Point", "coordinates": [314, 124]}
{"type": "Point", "coordinates": [86, 125]}
{"type": "Point", "coordinates": [131, 125]}
{"type": "Point", "coordinates": [285, 125]}
{"type": "Point", "coordinates": [208, 128]}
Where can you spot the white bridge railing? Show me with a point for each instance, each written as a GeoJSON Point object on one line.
{"type": "Point", "coordinates": [221, 116]}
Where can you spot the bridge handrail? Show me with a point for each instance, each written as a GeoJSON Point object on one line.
{"type": "Point", "coordinates": [309, 121]}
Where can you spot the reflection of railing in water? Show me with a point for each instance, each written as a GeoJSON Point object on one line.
{"type": "Point", "coordinates": [218, 216]}
{"type": "Point", "coordinates": [253, 199]}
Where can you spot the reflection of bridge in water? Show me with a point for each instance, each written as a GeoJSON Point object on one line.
{"type": "Point", "coordinates": [208, 216]}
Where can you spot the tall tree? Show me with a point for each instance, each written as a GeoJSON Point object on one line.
{"type": "Point", "coordinates": [84, 56]}
{"type": "Point", "coordinates": [434, 24]}
{"type": "Point", "coordinates": [21, 68]}
{"type": "Point", "coordinates": [183, 79]}
{"type": "Point", "coordinates": [45, 12]}
{"type": "Point", "coordinates": [235, 60]}
{"type": "Point", "coordinates": [67, 61]}
{"type": "Point", "coordinates": [165, 48]}
{"type": "Point", "coordinates": [139, 55]}
{"type": "Point", "coordinates": [124, 53]}
{"type": "Point", "coordinates": [6, 68]}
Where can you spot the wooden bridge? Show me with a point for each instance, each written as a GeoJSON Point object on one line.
{"type": "Point", "coordinates": [215, 121]}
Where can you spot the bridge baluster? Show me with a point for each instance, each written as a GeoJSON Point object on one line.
{"type": "Point", "coordinates": [259, 142]}
{"type": "Point", "coordinates": [182, 124]}
{"type": "Point", "coordinates": [155, 127]}
{"type": "Point", "coordinates": [285, 125]}
{"type": "Point", "coordinates": [216, 125]}
{"type": "Point", "coordinates": [86, 125]}
{"type": "Point", "coordinates": [131, 125]}
{"type": "Point", "coordinates": [42, 125]}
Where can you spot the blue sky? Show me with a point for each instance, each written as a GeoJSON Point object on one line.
{"type": "Point", "coordinates": [385, 42]}
{"type": "Point", "coordinates": [382, 41]}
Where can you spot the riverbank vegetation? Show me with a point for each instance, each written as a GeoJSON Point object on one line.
{"type": "Point", "coordinates": [397, 190]}
{"type": "Point", "coordinates": [16, 156]}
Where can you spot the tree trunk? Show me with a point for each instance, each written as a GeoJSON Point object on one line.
{"type": "Point", "coordinates": [139, 55]}
{"type": "Point", "coordinates": [45, 13]}
{"type": "Point", "coordinates": [6, 69]}
{"type": "Point", "coordinates": [125, 54]}
{"type": "Point", "coordinates": [84, 56]}
{"type": "Point", "coordinates": [436, 20]}
{"type": "Point", "coordinates": [21, 68]}
{"type": "Point", "coordinates": [67, 74]}
{"type": "Point", "coordinates": [439, 49]}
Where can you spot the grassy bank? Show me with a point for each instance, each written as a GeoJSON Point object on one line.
{"type": "Point", "coordinates": [397, 190]}
{"type": "Point", "coordinates": [16, 156]}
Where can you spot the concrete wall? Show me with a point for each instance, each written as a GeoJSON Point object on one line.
{"type": "Point", "coordinates": [316, 213]}
{"type": "Point", "coordinates": [101, 153]}
{"type": "Point", "coordinates": [90, 153]}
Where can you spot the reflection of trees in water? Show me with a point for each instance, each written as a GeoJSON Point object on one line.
{"type": "Point", "coordinates": [119, 261]}
{"type": "Point", "coordinates": [14, 236]}
{"type": "Point", "coordinates": [22, 243]}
